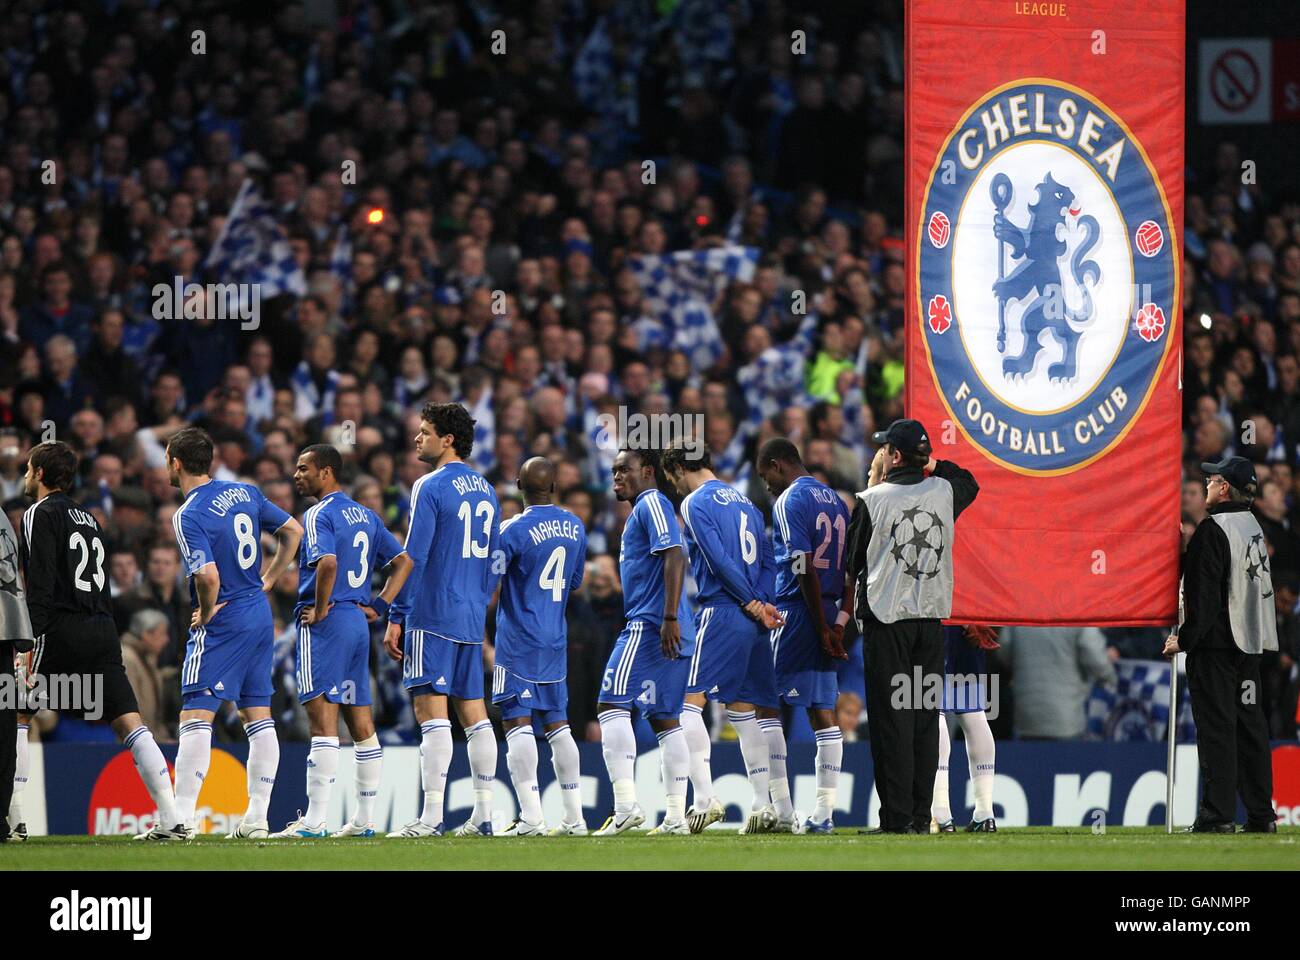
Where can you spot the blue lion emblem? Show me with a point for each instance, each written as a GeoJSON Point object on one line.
{"type": "Point", "coordinates": [1040, 250]}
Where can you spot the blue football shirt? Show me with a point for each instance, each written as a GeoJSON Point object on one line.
{"type": "Point", "coordinates": [338, 526]}
{"type": "Point", "coordinates": [545, 550]}
{"type": "Point", "coordinates": [221, 522]}
{"type": "Point", "coordinates": [731, 556]}
{"type": "Point", "coordinates": [810, 518]}
{"type": "Point", "coordinates": [651, 529]}
{"type": "Point", "coordinates": [454, 533]}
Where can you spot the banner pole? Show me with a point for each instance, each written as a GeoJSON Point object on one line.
{"type": "Point", "coordinates": [1171, 734]}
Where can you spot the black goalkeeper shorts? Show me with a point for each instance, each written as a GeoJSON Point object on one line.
{"type": "Point", "coordinates": [79, 671]}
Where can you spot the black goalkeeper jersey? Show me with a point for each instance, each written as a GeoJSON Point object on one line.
{"type": "Point", "coordinates": [65, 563]}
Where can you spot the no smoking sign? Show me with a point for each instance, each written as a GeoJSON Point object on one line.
{"type": "Point", "coordinates": [1235, 81]}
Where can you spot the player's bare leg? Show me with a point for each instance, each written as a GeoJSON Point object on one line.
{"type": "Point", "coordinates": [322, 770]}
{"type": "Point", "coordinates": [705, 808]}
{"type": "Point", "coordinates": [481, 744]}
{"type": "Point", "coordinates": [521, 760]}
{"type": "Point", "coordinates": [435, 757]}
{"type": "Point", "coordinates": [618, 744]}
{"type": "Point", "coordinates": [675, 758]}
{"type": "Point", "coordinates": [369, 758]}
{"type": "Point", "coordinates": [830, 755]}
{"type": "Point", "coordinates": [769, 722]}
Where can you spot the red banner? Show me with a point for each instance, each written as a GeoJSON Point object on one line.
{"type": "Point", "coordinates": [1044, 214]}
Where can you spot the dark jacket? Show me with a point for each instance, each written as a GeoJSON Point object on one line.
{"type": "Point", "coordinates": [964, 490]}
{"type": "Point", "coordinates": [1205, 585]}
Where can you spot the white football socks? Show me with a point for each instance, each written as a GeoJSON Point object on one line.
{"type": "Point", "coordinates": [263, 762]}
{"type": "Point", "coordinates": [564, 758]}
{"type": "Point", "coordinates": [22, 769]}
{"type": "Point", "coordinates": [521, 760]}
{"type": "Point", "coordinates": [482, 748]}
{"type": "Point", "coordinates": [700, 747]}
{"type": "Point", "coordinates": [753, 748]}
{"type": "Point", "coordinates": [193, 755]}
{"type": "Point", "coordinates": [675, 760]}
{"type": "Point", "coordinates": [939, 806]}
{"type": "Point", "coordinates": [435, 758]}
{"type": "Point", "coordinates": [369, 757]}
{"type": "Point", "coordinates": [322, 770]}
{"type": "Point", "coordinates": [981, 751]}
{"type": "Point", "coordinates": [618, 744]}
{"type": "Point", "coordinates": [830, 755]}
{"type": "Point", "coordinates": [151, 765]}
{"type": "Point", "coordinates": [778, 785]}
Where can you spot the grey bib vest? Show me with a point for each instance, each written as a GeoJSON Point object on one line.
{"type": "Point", "coordinates": [909, 558]}
{"type": "Point", "coordinates": [14, 621]}
{"type": "Point", "coordinates": [1251, 612]}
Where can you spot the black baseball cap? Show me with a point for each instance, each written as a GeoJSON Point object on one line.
{"type": "Point", "coordinates": [1238, 471]}
{"type": "Point", "coordinates": [905, 436]}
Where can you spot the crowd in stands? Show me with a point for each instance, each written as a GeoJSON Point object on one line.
{"type": "Point", "coordinates": [472, 214]}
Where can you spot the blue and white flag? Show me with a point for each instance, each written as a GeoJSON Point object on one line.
{"type": "Point", "coordinates": [606, 86]}
{"type": "Point", "coordinates": [484, 456]}
{"type": "Point", "coordinates": [341, 267]}
{"type": "Point", "coordinates": [1137, 707]}
{"type": "Point", "coordinates": [680, 288]}
{"type": "Point", "coordinates": [252, 248]}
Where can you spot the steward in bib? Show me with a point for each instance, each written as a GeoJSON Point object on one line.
{"type": "Point", "coordinates": [900, 556]}
{"type": "Point", "coordinates": [1229, 621]}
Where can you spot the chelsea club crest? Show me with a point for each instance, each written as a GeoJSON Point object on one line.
{"type": "Point", "coordinates": [1048, 279]}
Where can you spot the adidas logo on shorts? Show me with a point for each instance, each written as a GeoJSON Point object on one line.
{"type": "Point", "coordinates": [441, 680]}
{"type": "Point", "coordinates": [220, 685]}
{"type": "Point", "coordinates": [525, 695]}
{"type": "Point", "coordinates": [793, 692]}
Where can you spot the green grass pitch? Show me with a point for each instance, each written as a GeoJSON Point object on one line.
{"type": "Point", "coordinates": [1032, 848]}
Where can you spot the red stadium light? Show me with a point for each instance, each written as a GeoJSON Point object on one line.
{"type": "Point", "coordinates": [375, 216]}
{"type": "Point", "coordinates": [701, 221]}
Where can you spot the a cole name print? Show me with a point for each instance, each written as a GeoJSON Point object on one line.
{"type": "Point", "coordinates": [353, 515]}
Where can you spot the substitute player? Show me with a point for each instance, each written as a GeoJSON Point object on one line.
{"type": "Point", "coordinates": [544, 549]}
{"type": "Point", "coordinates": [61, 554]}
{"type": "Point", "coordinates": [735, 573]}
{"type": "Point", "coordinates": [811, 529]}
{"type": "Point", "coordinates": [453, 542]}
{"type": "Point", "coordinates": [228, 655]}
{"type": "Point", "coordinates": [650, 661]}
{"type": "Point", "coordinates": [345, 543]}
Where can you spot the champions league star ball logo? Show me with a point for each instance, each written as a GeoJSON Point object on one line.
{"type": "Point", "coordinates": [918, 543]}
{"type": "Point", "coordinates": [1047, 283]}
{"type": "Point", "coordinates": [1257, 562]}
{"type": "Point", "coordinates": [8, 563]}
